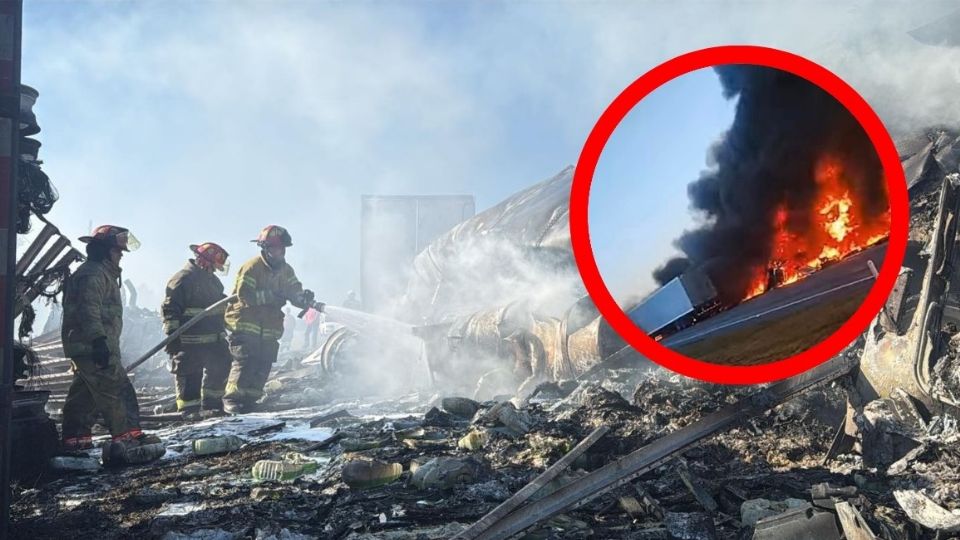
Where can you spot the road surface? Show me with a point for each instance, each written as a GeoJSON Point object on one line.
{"type": "Point", "coordinates": [810, 301]}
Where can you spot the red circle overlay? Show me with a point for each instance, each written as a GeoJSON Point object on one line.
{"type": "Point", "coordinates": [896, 190]}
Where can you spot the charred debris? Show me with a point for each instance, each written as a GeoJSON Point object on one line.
{"type": "Point", "coordinates": [490, 414]}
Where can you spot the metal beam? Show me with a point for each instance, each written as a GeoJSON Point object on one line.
{"type": "Point", "coordinates": [532, 488]}
{"type": "Point", "coordinates": [31, 253]}
{"type": "Point", "coordinates": [11, 19]}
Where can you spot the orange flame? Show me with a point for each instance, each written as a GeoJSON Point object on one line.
{"type": "Point", "coordinates": [839, 229]}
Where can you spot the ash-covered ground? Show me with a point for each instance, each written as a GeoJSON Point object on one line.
{"type": "Point", "coordinates": [763, 467]}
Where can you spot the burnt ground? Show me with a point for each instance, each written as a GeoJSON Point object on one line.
{"type": "Point", "coordinates": [775, 456]}
{"type": "Point", "coordinates": [779, 337]}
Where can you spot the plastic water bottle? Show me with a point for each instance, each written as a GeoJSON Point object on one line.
{"type": "Point", "coordinates": [290, 468]}
{"type": "Point", "coordinates": [120, 454]}
{"type": "Point", "coordinates": [216, 445]}
{"type": "Point", "coordinates": [361, 474]}
{"type": "Point", "coordinates": [473, 441]}
{"type": "Point", "coordinates": [72, 463]}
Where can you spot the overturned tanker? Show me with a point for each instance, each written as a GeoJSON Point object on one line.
{"type": "Point", "coordinates": [372, 363]}
{"type": "Point", "coordinates": [507, 350]}
{"type": "Point", "coordinates": [518, 250]}
{"type": "Point", "coordinates": [510, 349]}
{"type": "Point", "coordinates": [498, 302]}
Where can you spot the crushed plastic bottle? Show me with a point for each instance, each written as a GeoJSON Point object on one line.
{"type": "Point", "coordinates": [362, 474]}
{"type": "Point", "coordinates": [445, 472]}
{"type": "Point", "coordinates": [473, 441]}
{"type": "Point", "coordinates": [216, 445]}
{"type": "Point", "coordinates": [272, 387]}
{"type": "Point", "coordinates": [291, 467]}
{"type": "Point", "coordinates": [120, 453]}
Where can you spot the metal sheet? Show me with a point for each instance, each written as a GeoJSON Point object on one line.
{"type": "Point", "coordinates": [526, 232]}
{"type": "Point", "coordinates": [904, 361]}
{"type": "Point", "coordinates": [663, 306]}
{"type": "Point", "coordinates": [798, 524]}
{"type": "Point", "coordinates": [394, 229]}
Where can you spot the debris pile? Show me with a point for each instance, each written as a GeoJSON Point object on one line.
{"type": "Point", "coordinates": [423, 466]}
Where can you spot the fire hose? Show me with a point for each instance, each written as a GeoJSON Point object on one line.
{"type": "Point", "coordinates": [176, 333]}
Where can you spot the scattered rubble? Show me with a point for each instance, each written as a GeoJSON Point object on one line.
{"type": "Point", "coordinates": [764, 474]}
{"type": "Point", "coordinates": [926, 512]}
{"type": "Point", "coordinates": [754, 510]}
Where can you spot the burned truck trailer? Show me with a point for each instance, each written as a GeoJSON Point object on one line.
{"type": "Point", "coordinates": [680, 302]}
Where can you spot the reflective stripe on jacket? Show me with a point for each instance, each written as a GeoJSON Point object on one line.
{"type": "Point", "coordinates": [262, 292]}
{"type": "Point", "coordinates": [189, 292]}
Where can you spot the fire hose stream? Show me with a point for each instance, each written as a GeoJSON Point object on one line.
{"type": "Point", "coordinates": [368, 324]}
{"type": "Point", "coordinates": [356, 320]}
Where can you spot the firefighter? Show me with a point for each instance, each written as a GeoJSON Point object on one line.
{"type": "Point", "coordinates": [264, 284]}
{"type": "Point", "coordinates": [289, 327]}
{"type": "Point", "coordinates": [92, 322]}
{"type": "Point", "coordinates": [351, 301]}
{"type": "Point", "coordinates": [199, 358]}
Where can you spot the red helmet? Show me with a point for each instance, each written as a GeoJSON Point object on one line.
{"type": "Point", "coordinates": [273, 236]}
{"type": "Point", "coordinates": [113, 236]}
{"type": "Point", "coordinates": [210, 255]}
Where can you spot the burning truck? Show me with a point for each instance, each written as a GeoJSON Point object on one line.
{"type": "Point", "coordinates": [792, 189]}
{"type": "Point", "coordinates": [681, 302]}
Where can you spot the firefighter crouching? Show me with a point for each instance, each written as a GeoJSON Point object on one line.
{"type": "Point", "coordinates": [92, 322]}
{"type": "Point", "coordinates": [200, 360]}
{"type": "Point", "coordinates": [264, 284]}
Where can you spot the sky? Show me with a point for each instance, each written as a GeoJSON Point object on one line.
{"type": "Point", "coordinates": [206, 120]}
{"type": "Point", "coordinates": [638, 197]}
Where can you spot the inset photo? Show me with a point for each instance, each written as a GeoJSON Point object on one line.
{"type": "Point", "coordinates": [739, 214]}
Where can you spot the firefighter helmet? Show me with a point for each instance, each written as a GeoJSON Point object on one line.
{"type": "Point", "coordinates": [113, 236]}
{"type": "Point", "coordinates": [273, 236]}
{"type": "Point", "coordinates": [212, 255]}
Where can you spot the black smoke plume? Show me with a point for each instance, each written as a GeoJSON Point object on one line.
{"type": "Point", "coordinates": [782, 125]}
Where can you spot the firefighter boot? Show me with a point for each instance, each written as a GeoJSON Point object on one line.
{"type": "Point", "coordinates": [77, 444]}
{"type": "Point", "coordinates": [187, 368]}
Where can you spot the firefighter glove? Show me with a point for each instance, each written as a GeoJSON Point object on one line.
{"type": "Point", "coordinates": [306, 297]}
{"type": "Point", "coordinates": [101, 353]}
{"type": "Point", "coordinates": [173, 347]}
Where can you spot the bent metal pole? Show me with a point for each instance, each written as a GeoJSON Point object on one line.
{"type": "Point", "coordinates": [176, 333]}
